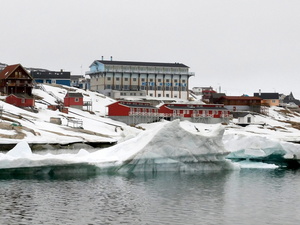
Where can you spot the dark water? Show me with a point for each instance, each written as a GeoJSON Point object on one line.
{"type": "Point", "coordinates": [248, 196]}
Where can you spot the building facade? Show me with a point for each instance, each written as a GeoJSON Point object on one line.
{"type": "Point", "coordinates": [14, 79]}
{"type": "Point", "coordinates": [73, 99]}
{"type": "Point", "coordinates": [240, 103]}
{"type": "Point", "coordinates": [121, 79]}
{"type": "Point", "coordinates": [268, 99]}
{"type": "Point", "coordinates": [142, 112]}
{"type": "Point", "coordinates": [52, 77]}
{"type": "Point", "coordinates": [17, 84]}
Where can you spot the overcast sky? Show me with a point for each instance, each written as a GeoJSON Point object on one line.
{"type": "Point", "coordinates": [239, 45]}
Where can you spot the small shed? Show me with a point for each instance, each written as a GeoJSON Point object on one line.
{"type": "Point", "coordinates": [74, 99]}
{"type": "Point", "coordinates": [20, 100]}
{"type": "Point", "coordinates": [246, 118]}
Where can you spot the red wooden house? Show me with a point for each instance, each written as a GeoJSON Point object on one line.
{"type": "Point", "coordinates": [195, 112]}
{"type": "Point", "coordinates": [127, 108]}
{"type": "Point", "coordinates": [132, 112]}
{"type": "Point", "coordinates": [241, 103]}
{"type": "Point", "coordinates": [17, 83]}
{"type": "Point", "coordinates": [20, 100]}
{"type": "Point", "coordinates": [138, 112]}
{"type": "Point", "coordinates": [74, 99]}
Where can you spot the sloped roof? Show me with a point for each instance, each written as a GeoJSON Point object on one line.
{"type": "Point", "coordinates": [4, 74]}
{"type": "Point", "coordinates": [131, 63]}
{"type": "Point", "coordinates": [51, 74]}
{"type": "Point", "coordinates": [197, 107]}
{"type": "Point", "coordinates": [19, 95]}
{"type": "Point", "coordinates": [137, 105]}
{"type": "Point", "coordinates": [74, 95]}
{"type": "Point", "coordinates": [267, 95]}
{"type": "Point", "coordinates": [241, 97]}
{"type": "Point", "coordinates": [290, 98]}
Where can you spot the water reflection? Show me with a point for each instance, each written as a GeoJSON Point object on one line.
{"type": "Point", "coordinates": [234, 197]}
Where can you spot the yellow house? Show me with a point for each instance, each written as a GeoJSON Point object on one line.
{"type": "Point", "coordinates": [269, 99]}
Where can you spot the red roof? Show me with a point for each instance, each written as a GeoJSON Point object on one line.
{"type": "Point", "coordinates": [9, 70]}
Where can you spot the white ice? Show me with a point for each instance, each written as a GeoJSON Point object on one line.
{"type": "Point", "coordinates": [168, 146]}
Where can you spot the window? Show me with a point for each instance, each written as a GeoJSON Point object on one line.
{"type": "Point", "coordinates": [134, 79]}
{"type": "Point", "coordinates": [143, 79]}
{"type": "Point", "coordinates": [158, 80]}
{"type": "Point", "coordinates": [151, 80]}
{"type": "Point", "coordinates": [167, 95]}
{"type": "Point", "coordinates": [159, 95]}
{"type": "Point", "coordinates": [248, 119]}
{"type": "Point", "coordinates": [126, 79]}
{"type": "Point", "coordinates": [117, 78]}
{"type": "Point", "coordinates": [167, 80]}
{"type": "Point", "coordinates": [108, 78]}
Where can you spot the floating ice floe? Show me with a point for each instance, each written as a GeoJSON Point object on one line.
{"type": "Point", "coordinates": [262, 149]}
{"type": "Point", "coordinates": [170, 146]}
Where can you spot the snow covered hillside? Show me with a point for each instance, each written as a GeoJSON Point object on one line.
{"type": "Point", "coordinates": [19, 124]}
{"type": "Point", "coordinates": [273, 139]}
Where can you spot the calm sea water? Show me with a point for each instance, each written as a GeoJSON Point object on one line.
{"type": "Point", "coordinates": [248, 196]}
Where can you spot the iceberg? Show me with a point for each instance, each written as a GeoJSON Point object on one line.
{"type": "Point", "coordinates": [262, 149]}
{"type": "Point", "coordinates": [168, 146]}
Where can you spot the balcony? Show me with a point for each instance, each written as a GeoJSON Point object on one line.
{"type": "Point", "coordinates": [19, 85]}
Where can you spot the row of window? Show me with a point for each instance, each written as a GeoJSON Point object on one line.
{"type": "Point", "coordinates": [131, 94]}
{"type": "Point", "coordinates": [144, 80]}
{"type": "Point", "coordinates": [144, 88]}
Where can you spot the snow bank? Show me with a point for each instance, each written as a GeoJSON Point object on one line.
{"type": "Point", "coordinates": [169, 146]}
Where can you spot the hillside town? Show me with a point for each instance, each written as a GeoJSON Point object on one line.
{"type": "Point", "coordinates": [143, 92]}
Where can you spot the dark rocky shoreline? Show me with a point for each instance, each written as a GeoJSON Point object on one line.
{"type": "Point", "coordinates": [55, 146]}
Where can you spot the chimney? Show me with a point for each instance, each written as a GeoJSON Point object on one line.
{"type": "Point", "coordinates": [259, 92]}
{"type": "Point", "coordinates": [111, 58]}
{"type": "Point", "coordinates": [102, 58]}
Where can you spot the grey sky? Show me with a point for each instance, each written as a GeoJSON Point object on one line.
{"type": "Point", "coordinates": [240, 45]}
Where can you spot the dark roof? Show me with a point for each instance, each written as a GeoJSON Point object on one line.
{"type": "Point", "coordinates": [240, 98]}
{"type": "Point", "coordinates": [242, 114]}
{"type": "Point", "coordinates": [75, 77]}
{"type": "Point", "coordinates": [74, 94]}
{"type": "Point", "coordinates": [130, 63]}
{"type": "Point", "coordinates": [50, 74]}
{"type": "Point", "coordinates": [290, 98]}
{"type": "Point", "coordinates": [217, 95]}
{"type": "Point", "coordinates": [267, 95]}
{"type": "Point", "coordinates": [137, 105]}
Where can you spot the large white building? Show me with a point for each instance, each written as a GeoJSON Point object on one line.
{"type": "Point", "coordinates": [121, 79]}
